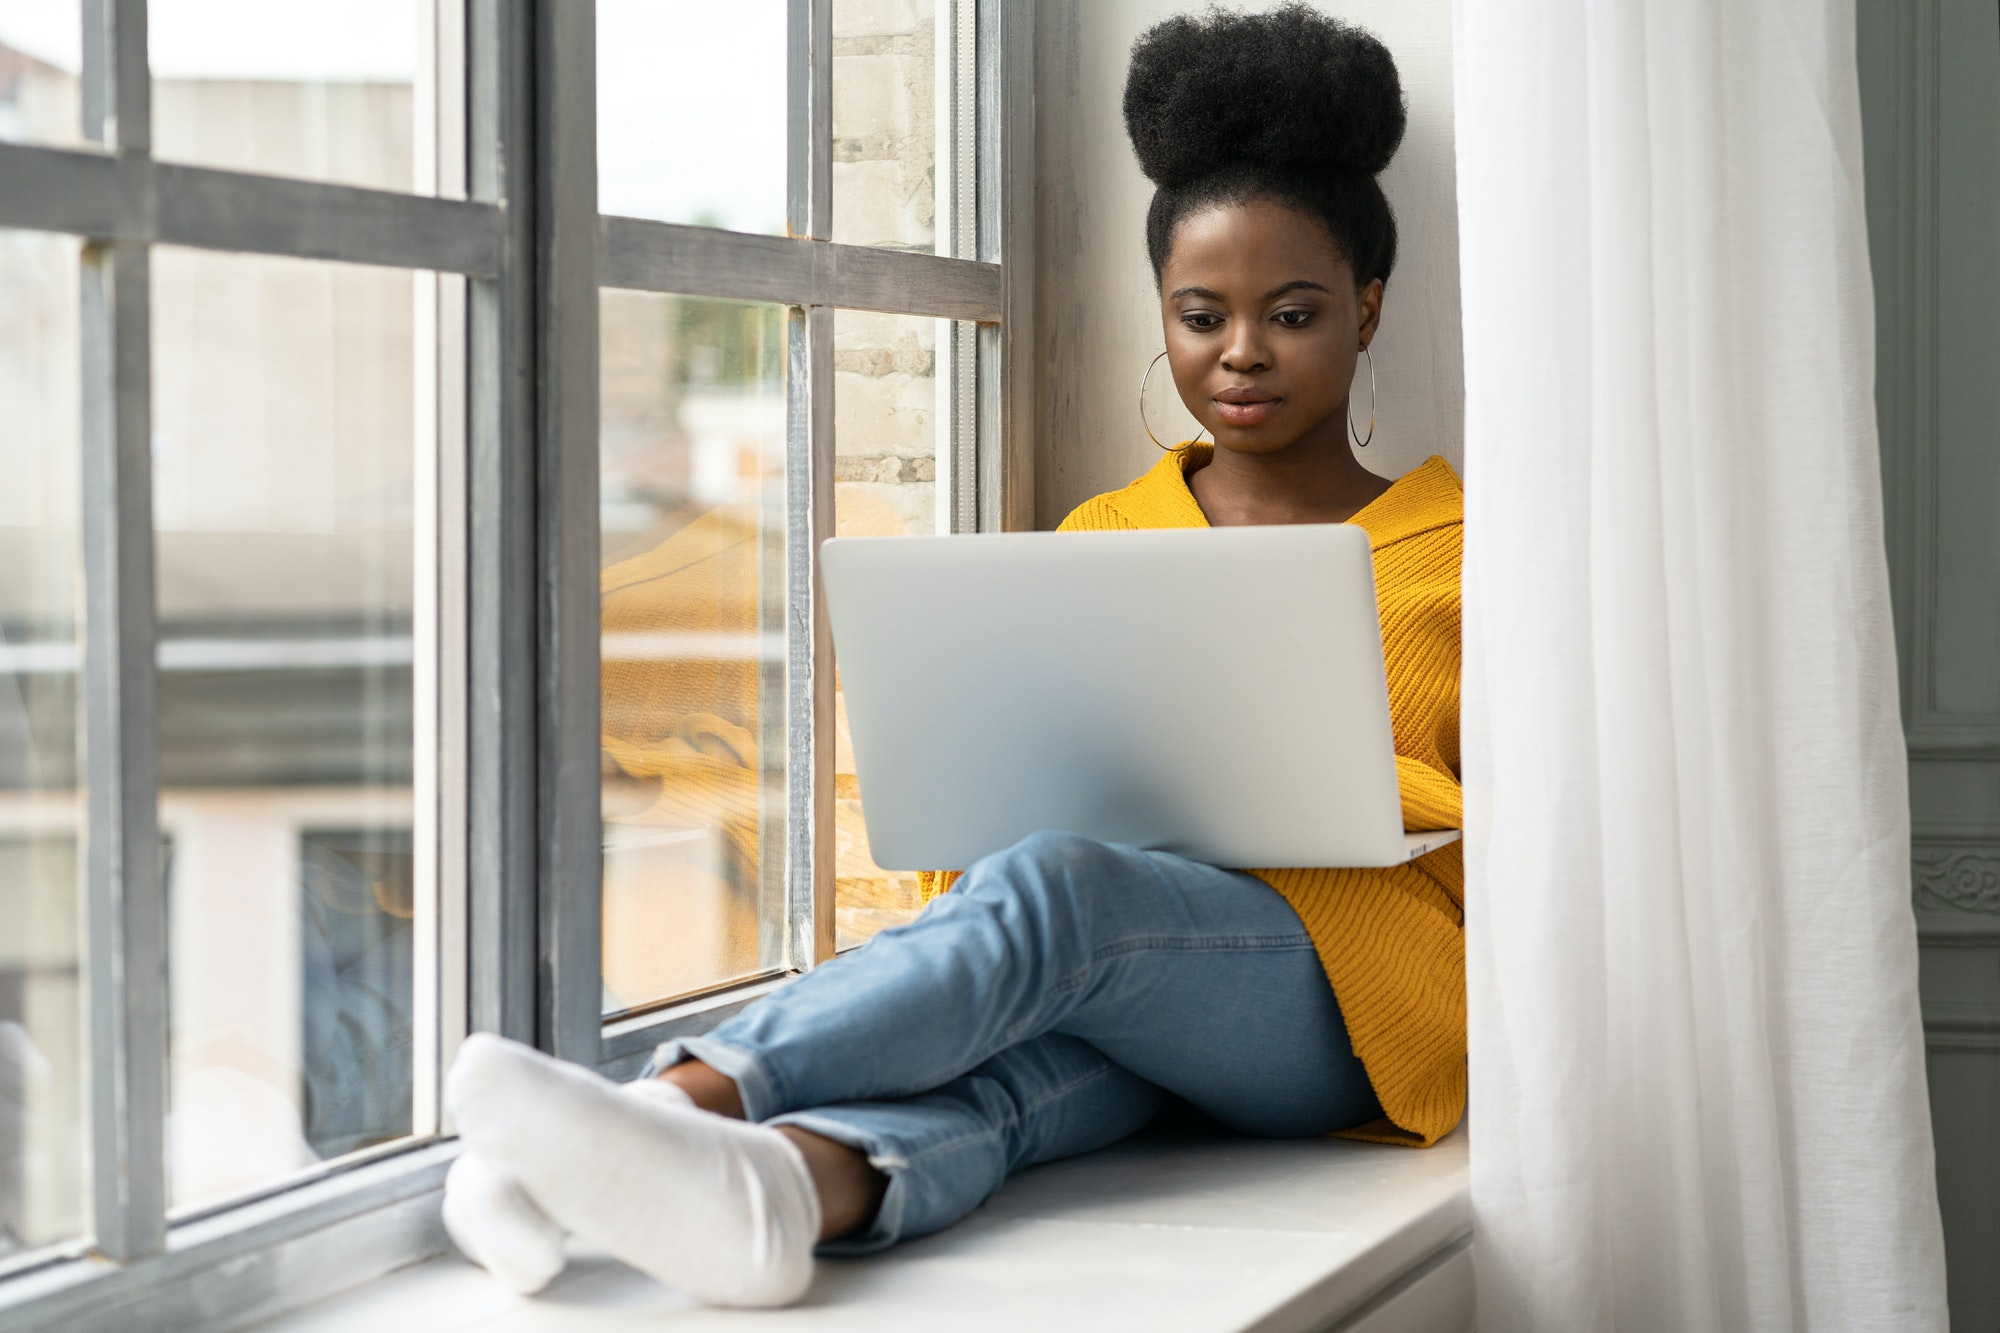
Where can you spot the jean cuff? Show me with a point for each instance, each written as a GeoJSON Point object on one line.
{"type": "Point", "coordinates": [887, 1227]}
{"type": "Point", "coordinates": [754, 1084]}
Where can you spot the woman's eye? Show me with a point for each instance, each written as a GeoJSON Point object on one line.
{"type": "Point", "coordinates": [1200, 321]}
{"type": "Point", "coordinates": [1294, 319]}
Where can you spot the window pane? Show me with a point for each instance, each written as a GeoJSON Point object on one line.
{"type": "Point", "coordinates": [324, 91]}
{"type": "Point", "coordinates": [886, 122]}
{"type": "Point", "coordinates": [693, 521]}
{"type": "Point", "coordinates": [285, 452]}
{"type": "Point", "coordinates": [41, 52]}
{"type": "Point", "coordinates": [44, 1075]}
{"type": "Point", "coordinates": [691, 112]}
{"type": "Point", "coordinates": [891, 447]}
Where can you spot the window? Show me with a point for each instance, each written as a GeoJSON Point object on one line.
{"type": "Point", "coordinates": [324, 92]}
{"type": "Point", "coordinates": [692, 537]}
{"type": "Point", "coordinates": [285, 449]}
{"type": "Point", "coordinates": [44, 1126]}
{"type": "Point", "coordinates": [757, 395]}
{"type": "Point", "coordinates": [422, 418]}
{"type": "Point", "coordinates": [41, 97]}
{"type": "Point", "coordinates": [723, 169]}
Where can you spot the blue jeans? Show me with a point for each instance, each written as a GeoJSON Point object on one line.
{"type": "Point", "coordinates": [1045, 1007]}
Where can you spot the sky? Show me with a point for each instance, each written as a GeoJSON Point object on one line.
{"type": "Point", "coordinates": [691, 93]}
{"type": "Point", "coordinates": [305, 40]}
{"type": "Point", "coordinates": [691, 110]}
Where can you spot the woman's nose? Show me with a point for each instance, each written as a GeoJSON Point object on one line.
{"type": "Point", "coordinates": [1244, 354]}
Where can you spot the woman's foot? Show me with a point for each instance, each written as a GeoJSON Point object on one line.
{"type": "Point", "coordinates": [719, 1209]}
{"type": "Point", "coordinates": [499, 1227]}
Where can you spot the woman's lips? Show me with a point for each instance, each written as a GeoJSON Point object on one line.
{"type": "Point", "coordinates": [1247, 414]}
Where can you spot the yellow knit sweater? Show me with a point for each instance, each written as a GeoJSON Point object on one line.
{"type": "Point", "coordinates": [1393, 940]}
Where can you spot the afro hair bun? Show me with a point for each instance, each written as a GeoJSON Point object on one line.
{"type": "Point", "coordinates": [1290, 89]}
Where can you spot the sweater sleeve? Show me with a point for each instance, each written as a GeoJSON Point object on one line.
{"type": "Point", "coordinates": [1431, 797]}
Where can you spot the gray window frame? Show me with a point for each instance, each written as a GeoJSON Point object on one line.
{"type": "Point", "coordinates": [518, 786]}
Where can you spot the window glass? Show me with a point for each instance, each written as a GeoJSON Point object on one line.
{"type": "Point", "coordinates": [44, 1073]}
{"type": "Point", "coordinates": [41, 54]}
{"type": "Point", "coordinates": [285, 452]}
{"type": "Point", "coordinates": [691, 107]}
{"type": "Point", "coordinates": [323, 91]}
{"type": "Point", "coordinates": [891, 447]}
{"type": "Point", "coordinates": [693, 521]}
{"type": "Point", "coordinates": [886, 113]}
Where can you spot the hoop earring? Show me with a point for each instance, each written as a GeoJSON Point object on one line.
{"type": "Point", "coordinates": [1352, 433]}
{"type": "Point", "coordinates": [1168, 448]}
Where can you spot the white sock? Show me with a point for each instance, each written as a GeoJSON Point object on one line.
{"type": "Point", "coordinates": [499, 1227]}
{"type": "Point", "coordinates": [494, 1222]}
{"type": "Point", "coordinates": [722, 1210]}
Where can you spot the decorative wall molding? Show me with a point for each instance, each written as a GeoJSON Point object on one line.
{"type": "Point", "coordinates": [1952, 1039]}
{"type": "Point", "coordinates": [1954, 737]}
{"type": "Point", "coordinates": [1967, 878]}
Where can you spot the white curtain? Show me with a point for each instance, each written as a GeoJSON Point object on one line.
{"type": "Point", "coordinates": [1697, 1063]}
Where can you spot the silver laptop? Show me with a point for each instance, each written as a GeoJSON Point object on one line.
{"type": "Point", "coordinates": [1216, 693]}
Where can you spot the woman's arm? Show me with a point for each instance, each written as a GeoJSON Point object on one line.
{"type": "Point", "coordinates": [1431, 796]}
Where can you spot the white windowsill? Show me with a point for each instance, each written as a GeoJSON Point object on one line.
{"type": "Point", "coordinates": [1159, 1233]}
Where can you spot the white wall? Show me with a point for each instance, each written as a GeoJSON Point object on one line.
{"type": "Point", "coordinates": [1098, 316]}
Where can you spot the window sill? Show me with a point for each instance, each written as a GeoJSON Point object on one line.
{"type": "Point", "coordinates": [252, 1260]}
{"type": "Point", "coordinates": [1160, 1232]}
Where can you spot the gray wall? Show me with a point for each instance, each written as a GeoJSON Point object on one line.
{"type": "Point", "coordinates": [1930, 94]}
{"type": "Point", "coordinates": [1098, 316]}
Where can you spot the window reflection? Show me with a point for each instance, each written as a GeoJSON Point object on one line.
{"type": "Point", "coordinates": [285, 452]}
{"type": "Point", "coordinates": [44, 1064]}
{"type": "Point", "coordinates": [323, 91]}
{"type": "Point", "coordinates": [693, 520]}
{"type": "Point", "coordinates": [41, 53]}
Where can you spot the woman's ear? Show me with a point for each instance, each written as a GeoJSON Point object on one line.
{"type": "Point", "coordinates": [1370, 303]}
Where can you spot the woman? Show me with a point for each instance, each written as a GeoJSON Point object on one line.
{"type": "Point", "coordinates": [1060, 991]}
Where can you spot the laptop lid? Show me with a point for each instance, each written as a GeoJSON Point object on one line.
{"type": "Point", "coordinates": [1216, 693]}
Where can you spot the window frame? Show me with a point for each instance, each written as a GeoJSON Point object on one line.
{"type": "Point", "coordinates": [521, 257]}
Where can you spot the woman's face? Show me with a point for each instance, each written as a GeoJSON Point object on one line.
{"type": "Point", "coordinates": [1263, 324]}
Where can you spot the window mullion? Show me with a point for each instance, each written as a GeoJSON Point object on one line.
{"type": "Point", "coordinates": [133, 198]}
{"type": "Point", "coordinates": [117, 80]}
{"type": "Point", "coordinates": [127, 918]}
{"type": "Point", "coordinates": [809, 119]}
{"type": "Point", "coordinates": [438, 980]}
{"type": "Point", "coordinates": [569, 734]}
{"type": "Point", "coordinates": [647, 256]}
{"type": "Point", "coordinates": [982, 439]}
{"type": "Point", "coordinates": [809, 878]}
{"type": "Point", "coordinates": [124, 889]}
{"type": "Point", "coordinates": [1007, 235]}
{"type": "Point", "coordinates": [809, 518]}
{"type": "Point", "coordinates": [502, 843]}
{"type": "Point", "coordinates": [958, 180]}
